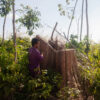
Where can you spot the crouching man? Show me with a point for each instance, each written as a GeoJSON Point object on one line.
{"type": "Point", "coordinates": [35, 58]}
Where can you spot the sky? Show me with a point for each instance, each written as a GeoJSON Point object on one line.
{"type": "Point", "coordinates": [50, 15]}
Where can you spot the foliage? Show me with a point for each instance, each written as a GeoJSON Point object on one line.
{"type": "Point", "coordinates": [5, 7]}
{"type": "Point", "coordinates": [68, 93]}
{"type": "Point", "coordinates": [15, 80]}
{"type": "Point", "coordinates": [29, 19]}
{"type": "Point", "coordinates": [66, 9]}
{"type": "Point", "coordinates": [94, 72]}
{"type": "Point", "coordinates": [79, 46]}
{"type": "Point", "coordinates": [90, 71]}
{"type": "Point", "coordinates": [0, 40]}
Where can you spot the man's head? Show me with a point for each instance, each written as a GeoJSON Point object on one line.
{"type": "Point", "coordinates": [35, 43]}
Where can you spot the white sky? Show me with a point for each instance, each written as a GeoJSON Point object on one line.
{"type": "Point", "coordinates": [50, 15]}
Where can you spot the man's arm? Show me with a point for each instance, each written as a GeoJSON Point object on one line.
{"type": "Point", "coordinates": [39, 56]}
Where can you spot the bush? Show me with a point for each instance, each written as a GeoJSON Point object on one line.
{"type": "Point", "coordinates": [90, 71]}
{"type": "Point", "coordinates": [15, 80]}
{"type": "Point", "coordinates": [68, 93]}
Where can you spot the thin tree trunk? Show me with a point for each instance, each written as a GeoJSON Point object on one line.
{"type": "Point", "coordinates": [14, 32]}
{"type": "Point", "coordinates": [4, 29]}
{"type": "Point", "coordinates": [87, 23]}
{"type": "Point", "coordinates": [82, 21]}
{"type": "Point", "coordinates": [78, 28]}
{"type": "Point", "coordinates": [72, 18]}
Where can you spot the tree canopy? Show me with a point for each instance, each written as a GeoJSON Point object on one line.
{"type": "Point", "coordinates": [5, 7]}
{"type": "Point", "coordinates": [29, 19]}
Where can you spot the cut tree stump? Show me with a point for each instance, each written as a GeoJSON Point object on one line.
{"type": "Point", "coordinates": [61, 61]}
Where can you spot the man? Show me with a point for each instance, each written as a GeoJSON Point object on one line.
{"type": "Point", "coordinates": [35, 58]}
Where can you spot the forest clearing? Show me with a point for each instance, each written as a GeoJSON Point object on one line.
{"type": "Point", "coordinates": [70, 69]}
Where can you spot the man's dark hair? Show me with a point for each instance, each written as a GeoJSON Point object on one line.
{"type": "Point", "coordinates": [34, 41]}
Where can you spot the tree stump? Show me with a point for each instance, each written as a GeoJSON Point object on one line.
{"type": "Point", "coordinates": [61, 61]}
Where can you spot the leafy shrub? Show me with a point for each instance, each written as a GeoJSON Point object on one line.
{"type": "Point", "coordinates": [68, 93]}
{"type": "Point", "coordinates": [90, 71]}
{"type": "Point", "coordinates": [15, 80]}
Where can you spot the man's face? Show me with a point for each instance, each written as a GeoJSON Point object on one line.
{"type": "Point", "coordinates": [38, 44]}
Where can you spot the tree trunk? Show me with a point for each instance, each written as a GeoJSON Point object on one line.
{"type": "Point", "coordinates": [14, 30]}
{"type": "Point", "coordinates": [72, 19]}
{"type": "Point", "coordinates": [87, 23]}
{"type": "Point", "coordinates": [81, 21]}
{"type": "Point", "coordinates": [4, 29]}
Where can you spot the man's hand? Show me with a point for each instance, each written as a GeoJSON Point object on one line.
{"type": "Point", "coordinates": [42, 54]}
